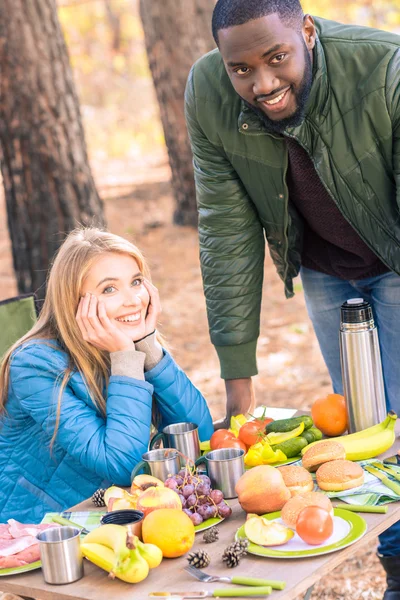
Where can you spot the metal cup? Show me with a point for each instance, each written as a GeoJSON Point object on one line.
{"type": "Point", "coordinates": [61, 555]}
{"type": "Point", "coordinates": [160, 463]}
{"type": "Point", "coordinates": [182, 436]}
{"type": "Point", "coordinates": [224, 466]}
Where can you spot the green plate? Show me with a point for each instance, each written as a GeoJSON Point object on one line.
{"type": "Point", "coordinates": [348, 528]}
{"type": "Point", "coordinates": [23, 569]}
{"type": "Point", "coordinates": [207, 524]}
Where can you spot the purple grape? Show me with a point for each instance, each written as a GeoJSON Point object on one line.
{"type": "Point", "coordinates": [213, 511]}
{"type": "Point", "coordinates": [196, 518]}
{"type": "Point", "coordinates": [205, 511]}
{"type": "Point", "coordinates": [191, 500]}
{"type": "Point", "coordinates": [182, 473]}
{"type": "Point", "coordinates": [216, 496]}
{"type": "Point", "coordinates": [187, 490]}
{"type": "Point", "coordinates": [224, 510]}
{"type": "Point", "coordinates": [202, 499]}
{"type": "Point", "coordinates": [182, 499]}
{"type": "Point", "coordinates": [179, 480]}
{"type": "Point", "coordinates": [203, 488]}
{"type": "Point", "coordinates": [171, 483]}
{"type": "Point", "coordinates": [205, 478]}
{"type": "Point", "coordinates": [188, 512]}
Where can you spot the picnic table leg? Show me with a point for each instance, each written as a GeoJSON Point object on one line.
{"type": "Point", "coordinates": [308, 593]}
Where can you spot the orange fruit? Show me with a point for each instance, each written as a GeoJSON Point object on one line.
{"type": "Point", "coordinates": [170, 529]}
{"type": "Point", "coordinates": [330, 415]}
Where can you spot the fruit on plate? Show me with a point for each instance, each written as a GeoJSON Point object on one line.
{"type": "Point", "coordinates": [116, 498]}
{"type": "Point", "coordinates": [115, 549]}
{"type": "Point", "coordinates": [295, 505]}
{"type": "Point", "coordinates": [142, 482]}
{"type": "Point", "coordinates": [169, 529]}
{"type": "Point", "coordinates": [261, 490]}
{"type": "Point", "coordinates": [199, 501]}
{"type": "Point", "coordinates": [314, 525]}
{"type": "Point", "coordinates": [330, 414]}
{"type": "Point", "coordinates": [155, 498]}
{"type": "Point", "coordinates": [263, 532]}
{"type": "Point", "coordinates": [369, 442]}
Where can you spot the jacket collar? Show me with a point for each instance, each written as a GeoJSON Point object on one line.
{"type": "Point", "coordinates": [317, 107]}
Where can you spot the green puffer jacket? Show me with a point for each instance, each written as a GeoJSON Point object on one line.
{"type": "Point", "coordinates": [352, 133]}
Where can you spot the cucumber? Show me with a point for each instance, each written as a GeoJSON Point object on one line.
{"type": "Point", "coordinates": [312, 435]}
{"type": "Point", "coordinates": [292, 447]}
{"type": "Point", "coordinates": [282, 425]}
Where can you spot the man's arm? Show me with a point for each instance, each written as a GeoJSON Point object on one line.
{"type": "Point", "coordinates": [239, 400]}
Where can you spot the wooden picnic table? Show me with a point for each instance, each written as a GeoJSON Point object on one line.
{"type": "Point", "coordinates": [299, 574]}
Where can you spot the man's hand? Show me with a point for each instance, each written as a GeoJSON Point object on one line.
{"type": "Point", "coordinates": [239, 400]}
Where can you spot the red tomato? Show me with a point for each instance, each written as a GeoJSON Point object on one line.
{"type": "Point", "coordinates": [219, 436]}
{"type": "Point", "coordinates": [250, 433]}
{"type": "Point", "coordinates": [314, 525]}
{"type": "Point", "coordinates": [263, 422]}
{"type": "Point", "coordinates": [233, 443]}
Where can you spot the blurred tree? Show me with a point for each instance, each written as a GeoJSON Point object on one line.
{"type": "Point", "coordinates": [177, 33]}
{"type": "Point", "coordinates": [47, 179]}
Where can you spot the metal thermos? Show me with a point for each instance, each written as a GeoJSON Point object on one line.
{"type": "Point", "coordinates": [361, 366]}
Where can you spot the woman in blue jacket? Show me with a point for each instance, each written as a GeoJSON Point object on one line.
{"type": "Point", "coordinates": [79, 390]}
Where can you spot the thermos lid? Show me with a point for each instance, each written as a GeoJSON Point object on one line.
{"type": "Point", "coordinates": [356, 310]}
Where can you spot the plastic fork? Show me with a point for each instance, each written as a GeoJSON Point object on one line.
{"type": "Point", "coordinates": [250, 581]}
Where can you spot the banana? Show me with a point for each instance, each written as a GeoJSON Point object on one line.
{"type": "Point", "coordinates": [151, 553]}
{"type": "Point", "coordinates": [369, 442]}
{"type": "Point", "coordinates": [111, 536]}
{"type": "Point", "coordinates": [132, 570]}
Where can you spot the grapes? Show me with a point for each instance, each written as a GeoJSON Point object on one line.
{"type": "Point", "coordinates": [216, 496]}
{"type": "Point", "coordinates": [224, 510]}
{"type": "Point", "coordinates": [188, 512]}
{"type": "Point", "coordinates": [179, 480]}
{"type": "Point", "coordinates": [191, 500]}
{"type": "Point", "coordinates": [196, 518]}
{"type": "Point", "coordinates": [182, 473]}
{"type": "Point", "coordinates": [187, 490]}
{"type": "Point", "coordinates": [203, 488]}
{"type": "Point", "coordinates": [205, 478]}
{"type": "Point", "coordinates": [171, 483]}
{"type": "Point", "coordinates": [202, 499]}
{"type": "Point", "coordinates": [205, 511]}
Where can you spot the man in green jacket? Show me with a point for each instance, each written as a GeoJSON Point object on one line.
{"type": "Point", "coordinates": [295, 130]}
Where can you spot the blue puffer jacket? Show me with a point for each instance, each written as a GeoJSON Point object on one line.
{"type": "Point", "coordinates": [90, 451]}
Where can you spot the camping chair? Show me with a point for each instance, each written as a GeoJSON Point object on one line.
{"type": "Point", "coordinates": [17, 316]}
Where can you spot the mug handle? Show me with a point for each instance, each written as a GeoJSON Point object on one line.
{"type": "Point", "coordinates": [201, 460]}
{"type": "Point", "coordinates": [158, 436]}
{"type": "Point", "coordinates": [140, 465]}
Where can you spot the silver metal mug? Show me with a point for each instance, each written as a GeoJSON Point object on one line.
{"type": "Point", "coordinates": [160, 463]}
{"type": "Point", "coordinates": [224, 466]}
{"type": "Point", "coordinates": [182, 436]}
{"type": "Point", "coordinates": [61, 555]}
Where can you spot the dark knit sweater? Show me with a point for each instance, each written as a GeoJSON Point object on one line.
{"type": "Point", "coordinates": [331, 245]}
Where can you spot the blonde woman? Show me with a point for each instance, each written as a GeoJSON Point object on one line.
{"type": "Point", "coordinates": [77, 392]}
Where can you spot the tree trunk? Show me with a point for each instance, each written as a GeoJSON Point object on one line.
{"type": "Point", "coordinates": [177, 33]}
{"type": "Point", "coordinates": [47, 179]}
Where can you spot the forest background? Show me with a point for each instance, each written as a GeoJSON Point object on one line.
{"type": "Point", "coordinates": [129, 161]}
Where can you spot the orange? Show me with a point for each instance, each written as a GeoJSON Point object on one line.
{"type": "Point", "coordinates": [170, 529]}
{"type": "Point", "coordinates": [329, 414]}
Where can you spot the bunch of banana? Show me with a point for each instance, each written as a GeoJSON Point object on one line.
{"type": "Point", "coordinates": [115, 549]}
{"type": "Point", "coordinates": [367, 443]}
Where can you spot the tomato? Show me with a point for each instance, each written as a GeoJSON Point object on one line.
{"type": "Point", "coordinates": [219, 436]}
{"type": "Point", "coordinates": [314, 525]}
{"type": "Point", "coordinates": [263, 422]}
{"type": "Point", "coordinates": [250, 433]}
{"type": "Point", "coordinates": [233, 443]}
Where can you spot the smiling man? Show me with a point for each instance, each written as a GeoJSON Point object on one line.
{"type": "Point", "coordinates": [294, 124]}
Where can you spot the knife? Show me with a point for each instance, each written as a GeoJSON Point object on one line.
{"type": "Point", "coordinates": [395, 487]}
{"type": "Point", "coordinates": [243, 592]}
{"type": "Point", "coordinates": [389, 470]}
{"type": "Point", "coordinates": [63, 521]}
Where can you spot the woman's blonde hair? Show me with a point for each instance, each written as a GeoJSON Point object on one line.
{"type": "Point", "coordinates": [57, 321]}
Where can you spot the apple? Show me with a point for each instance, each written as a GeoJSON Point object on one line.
{"type": "Point", "coordinates": [158, 497]}
{"type": "Point", "coordinates": [142, 482]}
{"type": "Point", "coordinates": [263, 532]}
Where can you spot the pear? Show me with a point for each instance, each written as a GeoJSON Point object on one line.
{"type": "Point", "coordinates": [151, 553]}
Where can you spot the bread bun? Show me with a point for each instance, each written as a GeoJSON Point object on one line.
{"type": "Point", "coordinates": [295, 505]}
{"type": "Point", "coordinates": [297, 479]}
{"type": "Point", "coordinates": [338, 475]}
{"type": "Point", "coordinates": [322, 452]}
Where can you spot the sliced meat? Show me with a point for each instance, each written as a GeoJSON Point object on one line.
{"type": "Point", "coordinates": [4, 532]}
{"type": "Point", "coordinates": [27, 556]}
{"type": "Point", "coordinates": [14, 546]}
{"type": "Point", "coordinates": [17, 529]}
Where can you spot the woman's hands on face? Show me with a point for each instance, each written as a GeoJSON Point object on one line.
{"type": "Point", "coordinates": [153, 309]}
{"type": "Point", "coordinates": [96, 327]}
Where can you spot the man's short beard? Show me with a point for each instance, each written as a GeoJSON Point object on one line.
{"type": "Point", "coordinates": [301, 97]}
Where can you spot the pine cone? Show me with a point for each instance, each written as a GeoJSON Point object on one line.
{"type": "Point", "coordinates": [211, 535]}
{"type": "Point", "coordinates": [199, 559]}
{"type": "Point", "coordinates": [231, 557]}
{"type": "Point", "coordinates": [241, 545]}
{"type": "Point", "coordinates": [98, 497]}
